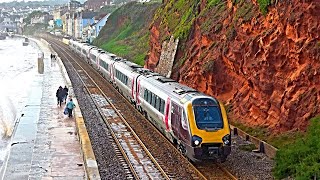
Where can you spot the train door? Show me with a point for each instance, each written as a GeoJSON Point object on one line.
{"type": "Point", "coordinates": [136, 89]}
{"type": "Point", "coordinates": [99, 63]}
{"type": "Point", "coordinates": [112, 73]}
{"type": "Point", "coordinates": [97, 60]}
{"type": "Point", "coordinates": [175, 118]}
{"type": "Point", "coordinates": [179, 122]}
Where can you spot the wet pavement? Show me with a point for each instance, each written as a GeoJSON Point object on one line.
{"type": "Point", "coordinates": [45, 142]}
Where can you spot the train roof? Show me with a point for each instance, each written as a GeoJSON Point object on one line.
{"type": "Point", "coordinates": [172, 87]}
{"type": "Point", "coordinates": [128, 64]}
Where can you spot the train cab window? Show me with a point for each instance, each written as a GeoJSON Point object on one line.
{"type": "Point", "coordinates": [207, 114]}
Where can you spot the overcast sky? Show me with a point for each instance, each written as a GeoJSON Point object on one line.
{"type": "Point", "coordinates": [1, 1]}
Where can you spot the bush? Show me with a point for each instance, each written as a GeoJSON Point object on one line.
{"type": "Point", "coordinates": [263, 4]}
{"type": "Point", "coordinates": [301, 159]}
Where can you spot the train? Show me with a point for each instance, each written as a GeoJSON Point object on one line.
{"type": "Point", "coordinates": [194, 122]}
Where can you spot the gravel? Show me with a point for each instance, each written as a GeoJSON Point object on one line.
{"type": "Point", "coordinates": [247, 164]}
{"type": "Point", "coordinates": [108, 163]}
{"type": "Point", "coordinates": [243, 164]}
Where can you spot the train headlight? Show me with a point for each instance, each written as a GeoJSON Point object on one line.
{"type": "Point", "coordinates": [227, 139]}
{"type": "Point", "coordinates": [196, 140]}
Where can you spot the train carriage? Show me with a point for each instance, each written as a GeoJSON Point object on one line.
{"type": "Point", "coordinates": [152, 101]}
{"type": "Point", "coordinates": [124, 75]}
{"type": "Point", "coordinates": [94, 54]}
{"type": "Point", "coordinates": [85, 49]}
{"type": "Point", "coordinates": [77, 46]}
{"type": "Point", "coordinates": [106, 61]}
{"type": "Point", "coordinates": [72, 44]}
{"type": "Point", "coordinates": [196, 123]}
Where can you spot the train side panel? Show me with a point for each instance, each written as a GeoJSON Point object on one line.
{"type": "Point", "coordinates": [123, 79]}
{"type": "Point", "coordinates": [94, 55]}
{"type": "Point", "coordinates": [105, 62]}
{"type": "Point", "coordinates": [153, 103]}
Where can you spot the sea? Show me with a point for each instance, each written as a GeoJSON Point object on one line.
{"type": "Point", "coordinates": [18, 67]}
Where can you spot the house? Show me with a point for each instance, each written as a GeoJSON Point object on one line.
{"type": "Point", "coordinates": [77, 25]}
{"type": "Point", "coordinates": [99, 25]}
{"type": "Point", "coordinates": [43, 19]}
{"type": "Point", "coordinates": [96, 4]}
{"type": "Point", "coordinates": [92, 31]}
{"type": "Point", "coordinates": [64, 18]}
{"type": "Point", "coordinates": [87, 21]}
{"type": "Point", "coordinates": [74, 5]}
{"type": "Point", "coordinates": [57, 16]}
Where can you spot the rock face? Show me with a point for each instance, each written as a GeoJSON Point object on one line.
{"type": "Point", "coordinates": [266, 68]}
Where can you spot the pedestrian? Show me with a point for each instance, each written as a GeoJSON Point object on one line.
{"type": "Point", "coordinates": [51, 56]}
{"type": "Point", "coordinates": [60, 96]}
{"type": "Point", "coordinates": [70, 105]}
{"type": "Point", "coordinates": [65, 90]}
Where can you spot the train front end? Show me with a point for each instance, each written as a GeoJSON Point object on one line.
{"type": "Point", "coordinates": [209, 130]}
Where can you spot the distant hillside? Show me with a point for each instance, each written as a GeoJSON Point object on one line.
{"type": "Point", "coordinates": [18, 4]}
{"type": "Point", "coordinates": [126, 31]}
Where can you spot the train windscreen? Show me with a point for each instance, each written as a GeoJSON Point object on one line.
{"type": "Point", "coordinates": [207, 114]}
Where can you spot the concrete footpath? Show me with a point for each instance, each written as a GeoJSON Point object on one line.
{"type": "Point", "coordinates": [46, 144]}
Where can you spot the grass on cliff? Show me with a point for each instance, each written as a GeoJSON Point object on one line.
{"type": "Point", "coordinates": [178, 16]}
{"type": "Point", "coordinates": [126, 32]}
{"type": "Point", "coordinates": [300, 160]}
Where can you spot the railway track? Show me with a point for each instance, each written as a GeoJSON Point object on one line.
{"type": "Point", "coordinates": [142, 147]}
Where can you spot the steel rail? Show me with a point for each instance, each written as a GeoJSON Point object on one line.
{"type": "Point", "coordinates": [228, 173]}
{"type": "Point", "coordinates": [122, 118]}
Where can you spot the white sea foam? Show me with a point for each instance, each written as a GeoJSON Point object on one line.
{"type": "Point", "coordinates": [17, 67]}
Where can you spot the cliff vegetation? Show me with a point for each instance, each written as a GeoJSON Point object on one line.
{"type": "Point", "coordinates": [126, 31]}
{"type": "Point", "coordinates": [260, 57]}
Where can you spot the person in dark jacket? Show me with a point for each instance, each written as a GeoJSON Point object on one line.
{"type": "Point", "coordinates": [65, 90]}
{"type": "Point", "coordinates": [60, 95]}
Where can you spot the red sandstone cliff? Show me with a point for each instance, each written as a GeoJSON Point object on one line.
{"type": "Point", "coordinates": [267, 68]}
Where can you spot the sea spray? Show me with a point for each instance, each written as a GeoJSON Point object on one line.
{"type": "Point", "coordinates": [7, 118]}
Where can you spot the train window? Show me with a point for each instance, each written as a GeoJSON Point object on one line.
{"type": "Point", "coordinates": [104, 65]}
{"type": "Point", "coordinates": [149, 97]}
{"type": "Point", "coordinates": [184, 121]}
{"type": "Point", "coordinates": [153, 100]}
{"type": "Point", "coordinates": [145, 94]}
{"type": "Point", "coordinates": [158, 103]}
{"type": "Point", "coordinates": [126, 80]}
{"type": "Point", "coordinates": [162, 103]}
{"type": "Point", "coordinates": [93, 57]}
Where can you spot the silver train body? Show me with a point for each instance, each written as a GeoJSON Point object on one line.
{"type": "Point", "coordinates": [195, 122]}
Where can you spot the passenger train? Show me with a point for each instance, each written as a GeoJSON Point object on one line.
{"type": "Point", "coordinates": [193, 121]}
